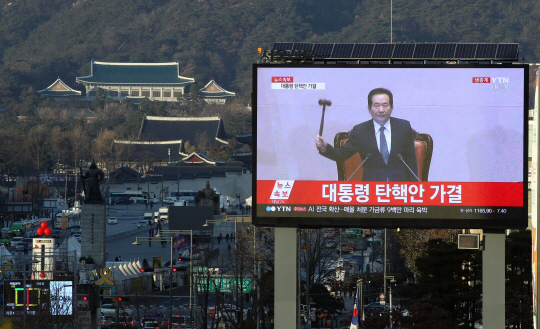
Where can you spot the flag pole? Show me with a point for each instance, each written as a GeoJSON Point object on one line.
{"type": "Point", "coordinates": [356, 321]}
{"type": "Point", "coordinates": [361, 284]}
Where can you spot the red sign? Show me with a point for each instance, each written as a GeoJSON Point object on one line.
{"type": "Point", "coordinates": [481, 80]}
{"type": "Point", "coordinates": [381, 297]}
{"type": "Point", "coordinates": [458, 194]}
{"type": "Point", "coordinates": [282, 79]}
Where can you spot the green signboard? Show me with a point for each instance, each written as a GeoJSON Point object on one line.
{"type": "Point", "coordinates": [222, 284]}
{"type": "Point", "coordinates": [200, 269]}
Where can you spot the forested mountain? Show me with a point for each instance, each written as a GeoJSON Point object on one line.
{"type": "Point", "coordinates": [41, 40]}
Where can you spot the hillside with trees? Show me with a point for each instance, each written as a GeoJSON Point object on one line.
{"type": "Point", "coordinates": [41, 40]}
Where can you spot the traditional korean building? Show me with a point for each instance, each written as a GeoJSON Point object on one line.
{"type": "Point", "coordinates": [159, 153]}
{"type": "Point", "coordinates": [162, 140]}
{"type": "Point", "coordinates": [212, 93]}
{"type": "Point", "coordinates": [59, 90]}
{"type": "Point", "coordinates": [183, 128]}
{"type": "Point", "coordinates": [155, 81]}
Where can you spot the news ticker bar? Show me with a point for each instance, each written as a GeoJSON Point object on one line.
{"type": "Point", "coordinates": [377, 211]}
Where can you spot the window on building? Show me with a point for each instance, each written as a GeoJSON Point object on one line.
{"type": "Point", "coordinates": [92, 94]}
{"type": "Point", "coordinates": [124, 93]}
{"type": "Point", "coordinates": [113, 93]}
{"type": "Point", "coordinates": [167, 93]}
{"type": "Point", "coordinates": [156, 94]}
{"type": "Point", "coordinates": [177, 94]}
{"type": "Point", "coordinates": [145, 93]}
{"type": "Point", "coordinates": [135, 93]}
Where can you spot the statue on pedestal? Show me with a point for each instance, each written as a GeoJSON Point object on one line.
{"type": "Point", "coordinates": [93, 176]}
{"type": "Point", "coordinates": [208, 197]}
{"type": "Point", "coordinates": [83, 271]}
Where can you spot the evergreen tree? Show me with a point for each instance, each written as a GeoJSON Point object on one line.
{"type": "Point", "coordinates": [450, 279]}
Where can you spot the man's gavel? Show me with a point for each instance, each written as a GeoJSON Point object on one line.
{"type": "Point", "coordinates": [324, 103]}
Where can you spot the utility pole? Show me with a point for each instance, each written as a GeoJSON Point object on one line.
{"type": "Point", "coordinates": [384, 267]}
{"type": "Point", "coordinates": [307, 314]}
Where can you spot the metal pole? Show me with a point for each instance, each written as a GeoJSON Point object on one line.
{"type": "Point", "coordinates": [259, 313]}
{"type": "Point", "coordinates": [298, 278]}
{"type": "Point", "coordinates": [384, 268]}
{"type": "Point", "coordinates": [391, 19]}
{"type": "Point", "coordinates": [390, 292]}
{"type": "Point", "coordinates": [75, 283]}
{"type": "Point", "coordinates": [170, 284]}
{"type": "Point", "coordinates": [361, 299]}
{"type": "Point", "coordinates": [340, 254]}
{"type": "Point", "coordinates": [191, 276]}
{"type": "Point", "coordinates": [24, 298]}
{"type": "Point", "coordinates": [307, 314]}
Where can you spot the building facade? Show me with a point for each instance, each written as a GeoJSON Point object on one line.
{"type": "Point", "coordinates": [213, 93]}
{"type": "Point", "coordinates": [155, 81]}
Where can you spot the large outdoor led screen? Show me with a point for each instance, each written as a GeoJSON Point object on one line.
{"type": "Point", "coordinates": [470, 119]}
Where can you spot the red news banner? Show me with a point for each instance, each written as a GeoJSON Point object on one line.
{"type": "Point", "coordinates": [390, 193]}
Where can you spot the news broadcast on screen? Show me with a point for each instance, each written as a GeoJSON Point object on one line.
{"type": "Point", "coordinates": [391, 145]}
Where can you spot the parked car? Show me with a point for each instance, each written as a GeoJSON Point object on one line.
{"type": "Point", "coordinates": [142, 223]}
{"type": "Point", "coordinates": [112, 220]}
{"type": "Point", "coordinates": [169, 200]}
{"type": "Point", "coordinates": [28, 241]}
{"type": "Point", "coordinates": [16, 240]}
{"type": "Point", "coordinates": [153, 200]}
{"type": "Point", "coordinates": [373, 308]}
{"type": "Point", "coordinates": [123, 200]}
{"type": "Point", "coordinates": [76, 229]}
{"type": "Point", "coordinates": [330, 244]}
{"type": "Point", "coordinates": [20, 246]}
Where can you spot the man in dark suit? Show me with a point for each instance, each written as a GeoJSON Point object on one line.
{"type": "Point", "coordinates": [388, 139]}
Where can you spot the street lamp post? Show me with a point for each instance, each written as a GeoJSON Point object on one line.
{"type": "Point", "coordinates": [238, 297]}
{"type": "Point", "coordinates": [392, 281]}
{"type": "Point", "coordinates": [360, 289]}
{"type": "Point", "coordinates": [225, 220]}
{"type": "Point", "coordinates": [159, 236]}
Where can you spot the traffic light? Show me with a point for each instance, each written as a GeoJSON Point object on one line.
{"type": "Point", "coordinates": [84, 297]}
{"type": "Point", "coordinates": [174, 269]}
{"type": "Point", "coordinates": [95, 296]}
{"type": "Point", "coordinates": [147, 269]}
{"type": "Point", "coordinates": [184, 259]}
{"type": "Point", "coordinates": [119, 299]}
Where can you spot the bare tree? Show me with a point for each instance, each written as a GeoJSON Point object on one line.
{"type": "Point", "coordinates": [202, 140]}
{"type": "Point", "coordinates": [102, 143]}
{"type": "Point", "coordinates": [35, 143]}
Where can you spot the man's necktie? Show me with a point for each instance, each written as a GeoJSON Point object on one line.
{"type": "Point", "coordinates": [384, 146]}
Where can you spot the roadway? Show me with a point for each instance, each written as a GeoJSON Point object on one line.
{"type": "Point", "coordinates": [120, 238]}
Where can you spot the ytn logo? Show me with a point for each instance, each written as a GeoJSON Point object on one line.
{"type": "Point", "coordinates": [491, 80]}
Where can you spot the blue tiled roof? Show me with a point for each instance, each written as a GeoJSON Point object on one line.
{"type": "Point", "coordinates": [135, 73]}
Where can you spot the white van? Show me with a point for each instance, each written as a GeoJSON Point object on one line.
{"type": "Point", "coordinates": [169, 200]}
{"type": "Point", "coordinates": [148, 216]}
{"type": "Point", "coordinates": [163, 213]}
{"type": "Point", "coordinates": [16, 240]}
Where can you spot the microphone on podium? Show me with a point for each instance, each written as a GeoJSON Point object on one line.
{"type": "Point", "coordinates": [360, 166]}
{"type": "Point", "coordinates": [412, 172]}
